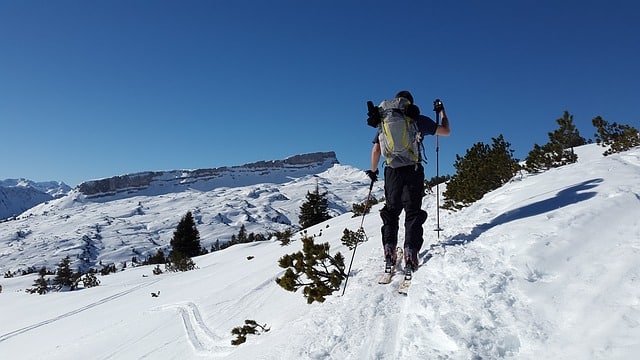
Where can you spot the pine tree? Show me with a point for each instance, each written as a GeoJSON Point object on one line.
{"type": "Point", "coordinates": [179, 262]}
{"type": "Point", "coordinates": [559, 150]}
{"type": "Point", "coordinates": [616, 137]}
{"type": "Point", "coordinates": [90, 279]}
{"type": "Point", "coordinates": [482, 169]}
{"type": "Point", "coordinates": [351, 239]}
{"type": "Point", "coordinates": [251, 327]}
{"type": "Point", "coordinates": [314, 270]}
{"type": "Point", "coordinates": [242, 235]}
{"type": "Point", "coordinates": [363, 208]}
{"type": "Point", "coordinates": [315, 209]}
{"type": "Point", "coordinates": [565, 138]}
{"type": "Point", "coordinates": [284, 236]}
{"type": "Point", "coordinates": [40, 285]}
{"type": "Point", "coordinates": [184, 245]}
{"type": "Point", "coordinates": [186, 238]}
{"type": "Point", "coordinates": [158, 258]}
{"type": "Point", "coordinates": [65, 276]}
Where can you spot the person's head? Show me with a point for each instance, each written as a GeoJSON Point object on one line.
{"type": "Point", "coordinates": [405, 94]}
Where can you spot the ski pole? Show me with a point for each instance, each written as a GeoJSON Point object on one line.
{"type": "Point", "coordinates": [437, 105]}
{"type": "Point", "coordinates": [353, 255]}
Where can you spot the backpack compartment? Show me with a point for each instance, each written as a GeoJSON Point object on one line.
{"type": "Point", "coordinates": [399, 136]}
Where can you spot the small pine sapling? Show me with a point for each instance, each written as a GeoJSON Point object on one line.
{"type": "Point", "coordinates": [351, 238]}
{"type": "Point", "coordinates": [313, 269]}
{"type": "Point", "coordinates": [251, 327]}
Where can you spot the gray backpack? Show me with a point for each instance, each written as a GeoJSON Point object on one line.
{"type": "Point", "coordinates": [398, 134]}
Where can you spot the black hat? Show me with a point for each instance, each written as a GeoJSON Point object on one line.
{"type": "Point", "coordinates": [405, 94]}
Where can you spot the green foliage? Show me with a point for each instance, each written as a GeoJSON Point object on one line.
{"type": "Point", "coordinates": [429, 184]}
{"type": "Point", "coordinates": [284, 237]}
{"type": "Point", "coordinates": [157, 270]}
{"type": "Point", "coordinates": [315, 209]}
{"type": "Point", "coordinates": [559, 150]}
{"type": "Point", "coordinates": [90, 279]}
{"type": "Point", "coordinates": [352, 238]}
{"type": "Point", "coordinates": [251, 327]}
{"type": "Point", "coordinates": [65, 276]}
{"type": "Point", "coordinates": [179, 262]}
{"type": "Point", "coordinates": [314, 270]}
{"type": "Point", "coordinates": [241, 238]}
{"type": "Point", "coordinates": [482, 169]}
{"type": "Point", "coordinates": [186, 238]}
{"type": "Point", "coordinates": [108, 269]}
{"type": "Point", "coordinates": [184, 244]}
{"type": "Point", "coordinates": [363, 208]}
{"type": "Point", "coordinates": [616, 137]}
{"type": "Point", "coordinates": [41, 284]}
{"type": "Point", "coordinates": [158, 258]}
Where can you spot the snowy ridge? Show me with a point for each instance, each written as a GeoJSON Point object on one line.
{"type": "Point", "coordinates": [139, 216]}
{"type": "Point", "coordinates": [164, 182]}
{"type": "Point", "coordinates": [18, 195]}
{"type": "Point", "coordinates": [546, 267]}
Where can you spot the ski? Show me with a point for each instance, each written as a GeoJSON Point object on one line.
{"type": "Point", "coordinates": [389, 271]}
{"type": "Point", "coordinates": [386, 277]}
{"type": "Point", "coordinates": [404, 285]}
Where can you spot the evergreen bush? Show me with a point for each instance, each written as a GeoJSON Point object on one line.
{"type": "Point", "coordinates": [315, 209]}
{"type": "Point", "coordinates": [314, 270]}
{"type": "Point", "coordinates": [482, 169]}
{"type": "Point", "coordinates": [616, 137]}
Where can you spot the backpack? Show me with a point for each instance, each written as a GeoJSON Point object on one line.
{"type": "Point", "coordinates": [398, 134]}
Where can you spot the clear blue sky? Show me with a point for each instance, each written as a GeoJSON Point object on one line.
{"type": "Point", "coordinates": [93, 89]}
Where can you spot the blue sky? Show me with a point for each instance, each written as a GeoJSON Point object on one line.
{"type": "Point", "coordinates": [93, 89]}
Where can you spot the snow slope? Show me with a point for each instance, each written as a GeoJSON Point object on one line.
{"type": "Point", "coordinates": [546, 267]}
{"type": "Point", "coordinates": [18, 195]}
{"type": "Point", "coordinates": [135, 215]}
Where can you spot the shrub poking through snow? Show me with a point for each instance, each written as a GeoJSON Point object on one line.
{"type": "Point", "coordinates": [313, 269]}
{"type": "Point", "coordinates": [251, 327]}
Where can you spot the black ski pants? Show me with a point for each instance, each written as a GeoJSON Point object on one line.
{"type": "Point", "coordinates": [403, 190]}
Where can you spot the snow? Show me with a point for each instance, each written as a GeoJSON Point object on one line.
{"type": "Point", "coordinates": [546, 267]}
{"type": "Point", "coordinates": [112, 229]}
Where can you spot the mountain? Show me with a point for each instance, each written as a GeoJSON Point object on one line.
{"type": "Point", "coordinates": [114, 220]}
{"type": "Point", "coordinates": [164, 182]}
{"type": "Point", "coordinates": [18, 195]}
{"type": "Point", "coordinates": [545, 267]}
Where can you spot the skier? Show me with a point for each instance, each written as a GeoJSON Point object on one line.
{"type": "Point", "coordinates": [404, 179]}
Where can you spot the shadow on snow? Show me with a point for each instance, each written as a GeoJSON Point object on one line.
{"type": "Point", "coordinates": [571, 195]}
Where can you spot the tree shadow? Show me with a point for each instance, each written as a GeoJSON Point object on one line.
{"type": "Point", "coordinates": [570, 195]}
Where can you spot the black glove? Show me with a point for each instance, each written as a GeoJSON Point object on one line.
{"type": "Point", "coordinates": [373, 175]}
{"type": "Point", "coordinates": [437, 105]}
{"type": "Point", "coordinates": [373, 114]}
{"type": "Point", "coordinates": [412, 111]}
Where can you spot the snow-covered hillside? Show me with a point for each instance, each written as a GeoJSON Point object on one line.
{"type": "Point", "coordinates": [111, 221]}
{"type": "Point", "coordinates": [18, 195]}
{"type": "Point", "coordinates": [546, 267]}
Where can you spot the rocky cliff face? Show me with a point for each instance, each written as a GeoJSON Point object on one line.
{"type": "Point", "coordinates": [163, 182]}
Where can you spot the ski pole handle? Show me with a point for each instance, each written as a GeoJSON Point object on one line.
{"type": "Point", "coordinates": [437, 105]}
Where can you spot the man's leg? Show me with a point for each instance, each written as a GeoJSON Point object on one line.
{"type": "Point", "coordinates": [414, 215]}
{"type": "Point", "coordinates": [390, 213]}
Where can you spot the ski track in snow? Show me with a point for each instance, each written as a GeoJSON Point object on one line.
{"type": "Point", "coordinates": [518, 275]}
{"type": "Point", "coordinates": [203, 340]}
{"type": "Point", "coordinates": [105, 300]}
{"type": "Point", "coordinates": [367, 331]}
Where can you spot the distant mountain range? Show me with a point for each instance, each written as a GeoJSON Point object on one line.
{"type": "Point", "coordinates": [18, 195]}
{"type": "Point", "coordinates": [115, 219]}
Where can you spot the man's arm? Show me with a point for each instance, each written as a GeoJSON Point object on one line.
{"type": "Point", "coordinates": [375, 156]}
{"type": "Point", "coordinates": [443, 129]}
